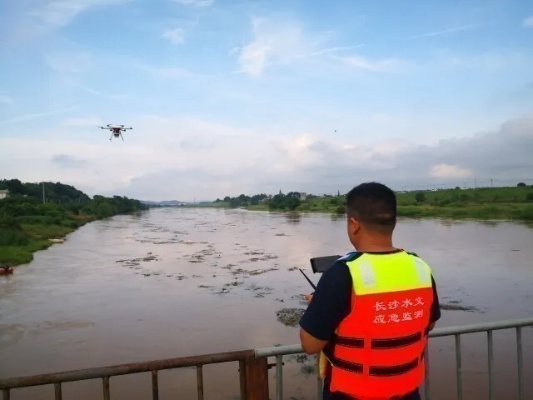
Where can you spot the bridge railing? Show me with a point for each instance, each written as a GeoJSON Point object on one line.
{"type": "Point", "coordinates": [253, 367]}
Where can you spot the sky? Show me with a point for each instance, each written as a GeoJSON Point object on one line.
{"type": "Point", "coordinates": [233, 96]}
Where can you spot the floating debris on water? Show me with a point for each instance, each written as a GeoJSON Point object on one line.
{"type": "Point", "coordinates": [455, 306]}
{"type": "Point", "coordinates": [254, 253]}
{"type": "Point", "coordinates": [300, 298]}
{"type": "Point", "coordinates": [234, 283]}
{"type": "Point", "coordinates": [265, 257]}
{"type": "Point", "coordinates": [247, 273]}
{"type": "Point", "coordinates": [137, 261]}
{"type": "Point", "coordinates": [308, 369]}
{"type": "Point", "coordinates": [281, 234]}
{"type": "Point", "coordinates": [290, 316]}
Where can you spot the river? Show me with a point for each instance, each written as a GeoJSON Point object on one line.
{"type": "Point", "coordinates": [174, 282]}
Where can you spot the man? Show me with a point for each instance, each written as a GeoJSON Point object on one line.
{"type": "Point", "coordinates": [373, 308]}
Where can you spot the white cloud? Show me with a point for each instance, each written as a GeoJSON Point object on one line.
{"type": "Point", "coordinates": [69, 161]}
{"type": "Point", "coordinates": [445, 31]}
{"type": "Point", "coordinates": [447, 171]}
{"type": "Point", "coordinates": [486, 61]}
{"type": "Point", "coordinates": [364, 63]}
{"type": "Point", "coordinates": [27, 117]}
{"type": "Point", "coordinates": [197, 3]}
{"type": "Point", "coordinates": [159, 72]}
{"type": "Point", "coordinates": [528, 22]}
{"type": "Point", "coordinates": [57, 13]}
{"type": "Point", "coordinates": [174, 35]}
{"type": "Point", "coordinates": [279, 42]}
{"type": "Point", "coordinates": [70, 62]}
{"type": "Point", "coordinates": [4, 98]}
{"type": "Point", "coordinates": [83, 121]}
{"type": "Point", "coordinates": [272, 42]}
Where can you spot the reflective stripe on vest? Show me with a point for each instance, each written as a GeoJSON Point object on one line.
{"type": "Point", "coordinates": [378, 348]}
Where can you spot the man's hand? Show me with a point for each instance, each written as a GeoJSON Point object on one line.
{"type": "Point", "coordinates": [308, 298]}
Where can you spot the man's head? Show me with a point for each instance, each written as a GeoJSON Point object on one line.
{"type": "Point", "coordinates": [371, 211]}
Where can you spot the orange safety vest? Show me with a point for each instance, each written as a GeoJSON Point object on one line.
{"type": "Point", "coordinates": [377, 351]}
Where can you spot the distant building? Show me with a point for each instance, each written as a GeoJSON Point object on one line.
{"type": "Point", "coordinates": [4, 194]}
{"type": "Point", "coordinates": [303, 196]}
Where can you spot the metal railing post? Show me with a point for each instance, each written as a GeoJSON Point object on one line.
{"type": "Point", "coordinates": [458, 366]}
{"type": "Point", "coordinates": [155, 385]}
{"type": "Point", "coordinates": [105, 383]}
{"type": "Point", "coordinates": [255, 378]}
{"type": "Point", "coordinates": [490, 359]}
{"type": "Point", "coordinates": [200, 382]}
{"type": "Point", "coordinates": [57, 390]}
{"type": "Point", "coordinates": [5, 394]}
{"type": "Point", "coordinates": [279, 377]}
{"type": "Point", "coordinates": [520, 363]}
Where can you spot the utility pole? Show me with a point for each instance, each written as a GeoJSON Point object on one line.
{"type": "Point", "coordinates": [491, 183]}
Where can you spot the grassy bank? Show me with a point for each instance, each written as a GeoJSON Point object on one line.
{"type": "Point", "coordinates": [27, 224]}
{"type": "Point", "coordinates": [503, 203]}
{"type": "Point", "coordinates": [19, 239]}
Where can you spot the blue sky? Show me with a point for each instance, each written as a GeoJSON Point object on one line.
{"type": "Point", "coordinates": [233, 96]}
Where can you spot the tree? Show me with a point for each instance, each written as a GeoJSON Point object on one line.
{"type": "Point", "coordinates": [420, 197]}
{"type": "Point", "coordinates": [521, 184]}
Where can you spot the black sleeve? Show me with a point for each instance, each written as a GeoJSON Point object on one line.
{"type": "Point", "coordinates": [331, 303]}
{"type": "Point", "coordinates": [435, 307]}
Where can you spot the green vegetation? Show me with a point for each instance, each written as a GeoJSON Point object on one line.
{"type": "Point", "coordinates": [26, 224]}
{"type": "Point", "coordinates": [514, 203]}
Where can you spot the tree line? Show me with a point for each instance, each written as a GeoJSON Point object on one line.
{"type": "Point", "coordinates": [290, 201]}
{"type": "Point", "coordinates": [65, 208]}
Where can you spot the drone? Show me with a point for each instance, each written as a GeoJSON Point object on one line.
{"type": "Point", "coordinates": [116, 130]}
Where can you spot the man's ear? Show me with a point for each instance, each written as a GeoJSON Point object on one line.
{"type": "Point", "coordinates": [354, 226]}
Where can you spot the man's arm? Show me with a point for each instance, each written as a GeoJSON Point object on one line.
{"type": "Point", "coordinates": [310, 344]}
{"type": "Point", "coordinates": [435, 307]}
{"type": "Point", "coordinates": [329, 305]}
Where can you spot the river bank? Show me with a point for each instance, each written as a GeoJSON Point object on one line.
{"type": "Point", "coordinates": [512, 212]}
{"type": "Point", "coordinates": [506, 203]}
{"type": "Point", "coordinates": [26, 239]}
{"type": "Point", "coordinates": [29, 223]}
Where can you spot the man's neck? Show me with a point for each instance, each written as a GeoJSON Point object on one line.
{"type": "Point", "coordinates": [376, 245]}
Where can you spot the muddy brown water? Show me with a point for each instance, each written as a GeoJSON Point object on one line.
{"type": "Point", "coordinates": [178, 282]}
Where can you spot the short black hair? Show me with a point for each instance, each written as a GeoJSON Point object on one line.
{"type": "Point", "coordinates": [373, 204]}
